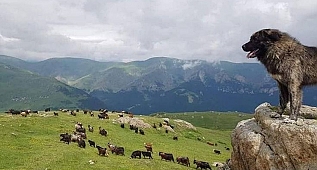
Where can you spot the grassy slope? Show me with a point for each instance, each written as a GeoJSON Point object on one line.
{"type": "Point", "coordinates": [33, 143]}
{"type": "Point", "coordinates": [210, 120]}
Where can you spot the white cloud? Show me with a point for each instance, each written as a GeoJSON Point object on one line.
{"type": "Point", "coordinates": [136, 30]}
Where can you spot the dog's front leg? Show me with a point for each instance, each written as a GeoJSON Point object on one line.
{"type": "Point", "coordinates": [284, 97]}
{"type": "Point", "coordinates": [295, 100]}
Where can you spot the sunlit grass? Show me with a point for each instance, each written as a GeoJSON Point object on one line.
{"type": "Point", "coordinates": [33, 143]}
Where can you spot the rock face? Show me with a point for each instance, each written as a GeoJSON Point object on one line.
{"type": "Point", "coordinates": [266, 143]}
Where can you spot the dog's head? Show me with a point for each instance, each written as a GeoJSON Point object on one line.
{"type": "Point", "coordinates": [260, 41]}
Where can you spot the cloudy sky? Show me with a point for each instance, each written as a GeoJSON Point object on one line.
{"type": "Point", "coordinates": [128, 30]}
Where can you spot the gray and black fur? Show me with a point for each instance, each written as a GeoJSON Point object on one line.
{"type": "Point", "coordinates": [290, 63]}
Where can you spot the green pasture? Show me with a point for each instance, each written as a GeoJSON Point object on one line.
{"type": "Point", "coordinates": [33, 142]}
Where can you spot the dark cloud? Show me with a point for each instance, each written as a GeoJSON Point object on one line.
{"type": "Point", "coordinates": [136, 30]}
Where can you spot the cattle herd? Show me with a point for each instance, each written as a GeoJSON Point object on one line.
{"type": "Point", "coordinates": [79, 136]}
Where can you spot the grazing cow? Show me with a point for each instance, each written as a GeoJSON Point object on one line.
{"type": "Point", "coordinates": [175, 138]}
{"type": "Point", "coordinates": [147, 154]}
{"type": "Point", "coordinates": [141, 132]}
{"type": "Point", "coordinates": [24, 114]}
{"type": "Point", "coordinates": [13, 112]}
{"type": "Point", "coordinates": [73, 113]}
{"type": "Point", "coordinates": [55, 114]}
{"type": "Point", "coordinates": [119, 151]}
{"type": "Point", "coordinates": [65, 137]}
{"type": "Point", "coordinates": [111, 147]}
{"type": "Point", "coordinates": [202, 165]}
{"type": "Point", "coordinates": [47, 110]}
{"type": "Point", "coordinates": [183, 161]}
{"type": "Point", "coordinates": [92, 143]}
{"type": "Point", "coordinates": [74, 138]}
{"type": "Point", "coordinates": [78, 125]}
{"type": "Point", "coordinates": [148, 147]}
{"type": "Point", "coordinates": [136, 154]}
{"type": "Point", "coordinates": [81, 143]}
{"type": "Point", "coordinates": [102, 132]}
{"type": "Point", "coordinates": [101, 116]}
{"type": "Point", "coordinates": [166, 156]}
{"type": "Point", "coordinates": [81, 130]}
{"type": "Point", "coordinates": [81, 134]}
{"type": "Point", "coordinates": [102, 151]}
{"type": "Point", "coordinates": [90, 128]}
{"type": "Point", "coordinates": [216, 151]}
{"type": "Point", "coordinates": [211, 144]}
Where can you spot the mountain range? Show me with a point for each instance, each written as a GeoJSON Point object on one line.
{"type": "Point", "coordinates": [158, 84]}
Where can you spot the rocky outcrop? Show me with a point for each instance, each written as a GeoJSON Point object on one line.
{"type": "Point", "coordinates": [266, 143]}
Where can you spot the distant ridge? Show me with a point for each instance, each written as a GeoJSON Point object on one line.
{"type": "Point", "coordinates": [163, 84]}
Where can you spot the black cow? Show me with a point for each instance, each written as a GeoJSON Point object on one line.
{"type": "Point", "coordinates": [92, 143]}
{"type": "Point", "coordinates": [175, 138]}
{"type": "Point", "coordinates": [147, 154]}
{"type": "Point", "coordinates": [14, 112]}
{"type": "Point", "coordinates": [183, 160]}
{"type": "Point", "coordinates": [65, 137]}
{"type": "Point", "coordinates": [102, 132]}
{"type": "Point", "coordinates": [118, 151]}
{"type": "Point", "coordinates": [81, 130]}
{"type": "Point", "coordinates": [81, 143]}
{"type": "Point", "coordinates": [202, 165]}
{"type": "Point", "coordinates": [55, 114]}
{"type": "Point", "coordinates": [217, 151]}
{"type": "Point", "coordinates": [136, 154]}
{"type": "Point", "coordinates": [102, 151]}
{"type": "Point", "coordinates": [47, 110]}
{"type": "Point", "coordinates": [166, 156]}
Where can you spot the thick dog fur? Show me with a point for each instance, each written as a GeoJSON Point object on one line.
{"type": "Point", "coordinates": [290, 63]}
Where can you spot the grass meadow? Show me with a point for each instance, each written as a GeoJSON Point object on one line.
{"type": "Point", "coordinates": [33, 142]}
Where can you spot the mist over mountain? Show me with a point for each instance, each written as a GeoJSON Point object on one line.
{"type": "Point", "coordinates": [159, 84]}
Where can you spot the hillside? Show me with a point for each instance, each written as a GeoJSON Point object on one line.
{"type": "Point", "coordinates": [164, 84]}
{"type": "Point", "coordinates": [22, 89]}
{"type": "Point", "coordinates": [26, 144]}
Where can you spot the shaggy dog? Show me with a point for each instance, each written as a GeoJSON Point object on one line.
{"type": "Point", "coordinates": [290, 63]}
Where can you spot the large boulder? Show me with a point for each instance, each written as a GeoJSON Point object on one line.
{"type": "Point", "coordinates": [268, 143]}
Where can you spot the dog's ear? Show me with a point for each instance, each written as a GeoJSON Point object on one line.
{"type": "Point", "coordinates": [274, 35]}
